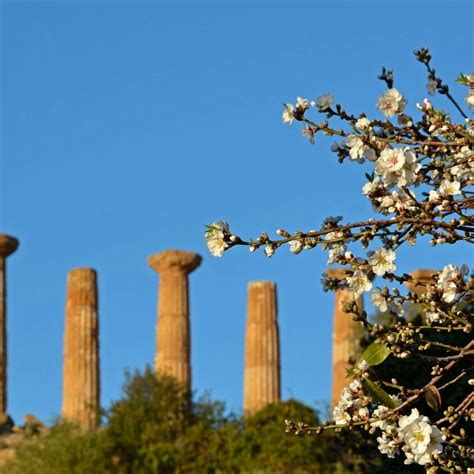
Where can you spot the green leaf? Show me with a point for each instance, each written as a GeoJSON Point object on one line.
{"type": "Point", "coordinates": [462, 79]}
{"type": "Point", "coordinates": [378, 394]}
{"type": "Point", "coordinates": [375, 354]}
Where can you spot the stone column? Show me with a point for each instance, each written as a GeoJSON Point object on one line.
{"type": "Point", "coordinates": [424, 275]}
{"type": "Point", "coordinates": [262, 348]}
{"type": "Point", "coordinates": [173, 354]}
{"type": "Point", "coordinates": [346, 336]}
{"type": "Point", "coordinates": [8, 245]}
{"type": "Point", "coordinates": [81, 371]}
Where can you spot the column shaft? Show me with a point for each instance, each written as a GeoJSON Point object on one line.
{"type": "Point", "coordinates": [81, 377]}
{"type": "Point", "coordinates": [8, 245]}
{"type": "Point", "coordinates": [172, 329]}
{"type": "Point", "coordinates": [346, 337]}
{"type": "Point", "coordinates": [262, 348]}
{"type": "Point", "coordinates": [3, 336]}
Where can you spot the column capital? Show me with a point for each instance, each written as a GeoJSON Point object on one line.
{"type": "Point", "coordinates": [261, 284]}
{"type": "Point", "coordinates": [76, 275]}
{"type": "Point", "coordinates": [8, 245]}
{"type": "Point", "coordinates": [174, 260]}
{"type": "Point", "coordinates": [421, 275]}
{"type": "Point", "coordinates": [338, 273]}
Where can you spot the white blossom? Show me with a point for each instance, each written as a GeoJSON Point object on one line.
{"type": "Point", "coordinates": [371, 186]}
{"type": "Point", "coordinates": [379, 412]}
{"type": "Point", "coordinates": [387, 445]}
{"type": "Point", "coordinates": [391, 103]}
{"type": "Point", "coordinates": [337, 248]}
{"type": "Point", "coordinates": [363, 413]}
{"type": "Point", "coordinates": [303, 103]}
{"type": "Point", "coordinates": [355, 385]}
{"type": "Point", "coordinates": [215, 238]}
{"type": "Point", "coordinates": [324, 102]}
{"type": "Point", "coordinates": [385, 305]}
{"type": "Point", "coordinates": [470, 99]}
{"type": "Point", "coordinates": [296, 246]}
{"type": "Point", "coordinates": [358, 282]}
{"type": "Point", "coordinates": [433, 196]}
{"type": "Point", "coordinates": [446, 281]}
{"type": "Point", "coordinates": [379, 301]}
{"type": "Point", "coordinates": [340, 415]}
{"type": "Point", "coordinates": [363, 123]}
{"type": "Point", "coordinates": [431, 86]}
{"type": "Point", "coordinates": [381, 261]}
{"type": "Point", "coordinates": [288, 115]}
{"type": "Point", "coordinates": [391, 160]}
{"type": "Point", "coordinates": [269, 250]}
{"type": "Point", "coordinates": [358, 150]}
{"type": "Point", "coordinates": [450, 188]}
{"type": "Point", "coordinates": [346, 397]}
{"type": "Point", "coordinates": [433, 317]}
{"type": "Point", "coordinates": [422, 439]}
{"type": "Point", "coordinates": [397, 166]}
{"type": "Point", "coordinates": [308, 133]}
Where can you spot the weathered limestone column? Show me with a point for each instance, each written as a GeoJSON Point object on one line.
{"type": "Point", "coordinates": [8, 245]}
{"type": "Point", "coordinates": [262, 348]}
{"type": "Point", "coordinates": [173, 354]}
{"type": "Point", "coordinates": [424, 275]}
{"type": "Point", "coordinates": [346, 336]}
{"type": "Point", "coordinates": [81, 371]}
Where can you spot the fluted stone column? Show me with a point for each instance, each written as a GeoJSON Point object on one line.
{"type": "Point", "coordinates": [423, 275]}
{"type": "Point", "coordinates": [346, 336]}
{"type": "Point", "coordinates": [81, 371]}
{"type": "Point", "coordinates": [262, 348]}
{"type": "Point", "coordinates": [173, 354]}
{"type": "Point", "coordinates": [8, 245]}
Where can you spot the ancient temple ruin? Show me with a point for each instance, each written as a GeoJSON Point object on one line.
{"type": "Point", "coordinates": [262, 386]}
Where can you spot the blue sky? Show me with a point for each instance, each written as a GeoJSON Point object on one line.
{"type": "Point", "coordinates": [127, 126]}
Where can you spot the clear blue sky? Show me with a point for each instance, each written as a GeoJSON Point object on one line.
{"type": "Point", "coordinates": [128, 126]}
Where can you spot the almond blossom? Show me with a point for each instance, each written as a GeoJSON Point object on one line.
{"type": "Point", "coordinates": [450, 188]}
{"type": "Point", "coordinates": [358, 282]}
{"type": "Point", "coordinates": [324, 102]}
{"type": "Point", "coordinates": [363, 123]}
{"type": "Point", "coordinates": [397, 166]}
{"type": "Point", "coordinates": [288, 115]}
{"type": "Point", "coordinates": [358, 150]}
{"type": "Point", "coordinates": [391, 103]}
{"type": "Point", "coordinates": [214, 235]}
{"type": "Point", "coordinates": [447, 281]}
{"type": "Point", "coordinates": [385, 305]}
{"type": "Point", "coordinates": [381, 261]}
{"type": "Point", "coordinates": [422, 439]}
{"type": "Point", "coordinates": [421, 186]}
{"type": "Point", "coordinates": [296, 246]}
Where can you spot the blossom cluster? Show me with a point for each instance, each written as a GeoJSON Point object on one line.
{"type": "Point", "coordinates": [420, 184]}
{"type": "Point", "coordinates": [414, 435]}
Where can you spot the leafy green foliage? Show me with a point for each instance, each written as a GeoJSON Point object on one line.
{"type": "Point", "coordinates": [155, 428]}
{"type": "Point", "coordinates": [378, 393]}
{"type": "Point", "coordinates": [65, 449]}
{"type": "Point", "coordinates": [375, 354]}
